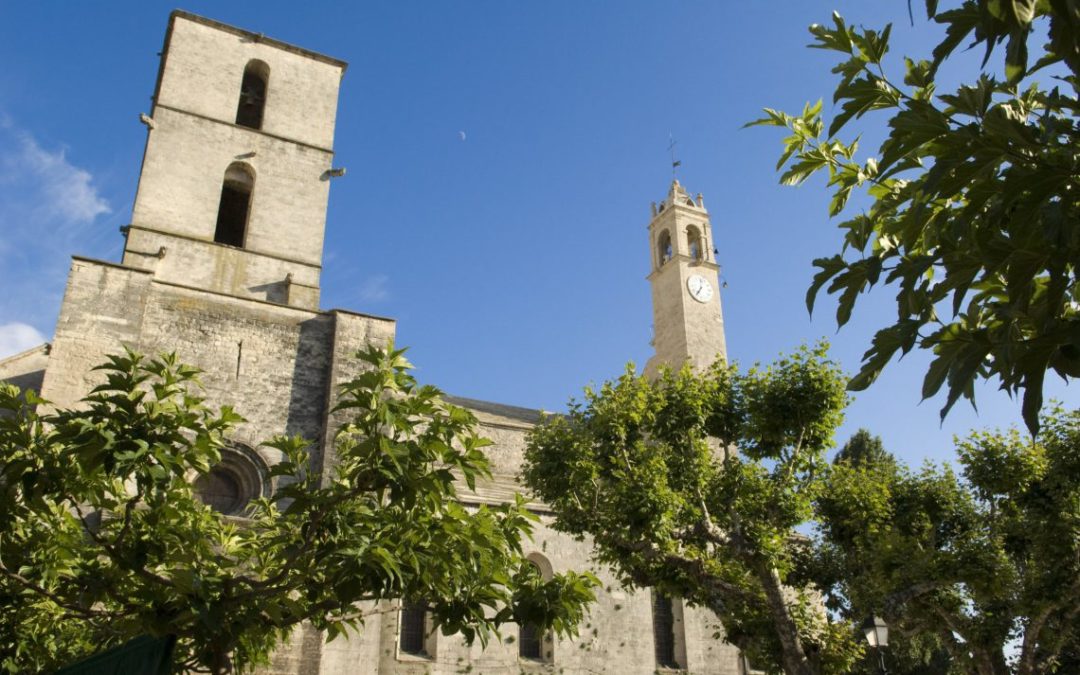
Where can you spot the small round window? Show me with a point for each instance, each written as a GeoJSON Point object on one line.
{"type": "Point", "coordinates": [236, 480]}
{"type": "Point", "coordinates": [220, 490]}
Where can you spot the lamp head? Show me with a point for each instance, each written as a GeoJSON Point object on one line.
{"type": "Point", "coordinates": [876, 631]}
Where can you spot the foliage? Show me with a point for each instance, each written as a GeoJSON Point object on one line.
{"type": "Point", "coordinates": [637, 468]}
{"type": "Point", "coordinates": [909, 652]}
{"type": "Point", "coordinates": [974, 198]}
{"type": "Point", "coordinates": [973, 562]}
{"type": "Point", "coordinates": [102, 538]}
{"type": "Point", "coordinates": [863, 448]}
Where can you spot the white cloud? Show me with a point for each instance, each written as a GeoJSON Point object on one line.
{"type": "Point", "coordinates": [42, 187]}
{"type": "Point", "coordinates": [50, 208]}
{"type": "Point", "coordinates": [18, 337]}
{"type": "Point", "coordinates": [68, 193]}
{"type": "Point", "coordinates": [374, 289]}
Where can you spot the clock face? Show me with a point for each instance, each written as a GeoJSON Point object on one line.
{"type": "Point", "coordinates": [699, 287]}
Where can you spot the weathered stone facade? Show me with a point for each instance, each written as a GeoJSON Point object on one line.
{"type": "Point", "coordinates": [247, 315]}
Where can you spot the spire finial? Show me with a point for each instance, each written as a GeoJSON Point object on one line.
{"type": "Point", "coordinates": [674, 162]}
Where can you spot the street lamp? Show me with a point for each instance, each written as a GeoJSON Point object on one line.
{"type": "Point", "coordinates": [877, 634]}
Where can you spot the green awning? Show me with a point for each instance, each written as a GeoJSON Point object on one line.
{"type": "Point", "coordinates": [144, 655]}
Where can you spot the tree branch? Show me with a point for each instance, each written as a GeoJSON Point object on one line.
{"type": "Point", "coordinates": [81, 612]}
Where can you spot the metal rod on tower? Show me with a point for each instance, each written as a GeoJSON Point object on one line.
{"type": "Point", "coordinates": [674, 162]}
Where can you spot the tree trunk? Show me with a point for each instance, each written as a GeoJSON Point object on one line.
{"type": "Point", "coordinates": [795, 661]}
{"type": "Point", "coordinates": [222, 663]}
{"type": "Point", "coordinates": [990, 661]}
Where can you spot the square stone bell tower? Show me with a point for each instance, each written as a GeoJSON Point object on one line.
{"type": "Point", "coordinates": [235, 180]}
{"type": "Point", "coordinates": [224, 251]}
{"type": "Point", "coordinates": [688, 321]}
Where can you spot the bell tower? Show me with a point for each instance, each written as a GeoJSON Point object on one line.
{"type": "Point", "coordinates": [688, 323]}
{"type": "Point", "coordinates": [236, 173]}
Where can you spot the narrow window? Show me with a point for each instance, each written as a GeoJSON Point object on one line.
{"type": "Point", "coordinates": [413, 624]}
{"type": "Point", "coordinates": [663, 247]}
{"type": "Point", "coordinates": [234, 206]}
{"type": "Point", "coordinates": [249, 112]}
{"type": "Point", "coordinates": [663, 622]}
{"type": "Point", "coordinates": [693, 237]}
{"type": "Point", "coordinates": [531, 640]}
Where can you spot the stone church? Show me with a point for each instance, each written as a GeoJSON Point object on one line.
{"type": "Point", "coordinates": [222, 263]}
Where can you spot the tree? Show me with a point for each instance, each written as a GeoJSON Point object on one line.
{"type": "Point", "coordinates": [102, 537]}
{"type": "Point", "coordinates": [639, 469]}
{"type": "Point", "coordinates": [864, 458]}
{"type": "Point", "coordinates": [973, 198]}
{"type": "Point", "coordinates": [973, 562]}
{"type": "Point", "coordinates": [864, 448]}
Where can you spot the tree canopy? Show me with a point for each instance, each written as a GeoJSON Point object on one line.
{"type": "Point", "coordinates": [103, 538]}
{"type": "Point", "coordinates": [974, 197]}
{"type": "Point", "coordinates": [637, 467]}
{"type": "Point", "coordinates": [971, 562]}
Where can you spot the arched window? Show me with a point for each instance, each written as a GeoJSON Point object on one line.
{"type": "Point", "coordinates": [663, 621]}
{"type": "Point", "coordinates": [663, 247]}
{"type": "Point", "coordinates": [235, 203]}
{"type": "Point", "coordinates": [693, 238]}
{"type": "Point", "coordinates": [413, 629]}
{"type": "Point", "coordinates": [249, 111]}
{"type": "Point", "coordinates": [530, 638]}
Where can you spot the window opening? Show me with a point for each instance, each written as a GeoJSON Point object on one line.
{"type": "Point", "coordinates": [664, 247]}
{"type": "Point", "coordinates": [693, 236]}
{"type": "Point", "coordinates": [249, 111]}
{"type": "Point", "coordinates": [230, 485]}
{"type": "Point", "coordinates": [664, 630]}
{"type": "Point", "coordinates": [220, 490]}
{"type": "Point", "coordinates": [234, 206]}
{"type": "Point", "coordinates": [413, 624]}
{"type": "Point", "coordinates": [531, 642]}
{"type": "Point", "coordinates": [530, 638]}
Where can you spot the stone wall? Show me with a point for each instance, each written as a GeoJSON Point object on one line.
{"type": "Point", "coordinates": [278, 366]}
{"type": "Point", "coordinates": [616, 637]}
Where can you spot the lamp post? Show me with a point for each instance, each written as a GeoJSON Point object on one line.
{"type": "Point", "coordinates": [877, 634]}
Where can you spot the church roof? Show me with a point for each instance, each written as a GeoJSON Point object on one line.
{"type": "Point", "coordinates": [528, 415]}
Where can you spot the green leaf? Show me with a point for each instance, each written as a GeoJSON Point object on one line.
{"type": "Point", "coordinates": [886, 343]}
{"type": "Point", "coordinates": [829, 267]}
{"type": "Point", "coordinates": [935, 376]}
{"type": "Point", "coordinates": [1033, 400]}
{"type": "Point", "coordinates": [918, 74]}
{"type": "Point", "coordinates": [1016, 56]}
{"type": "Point", "coordinates": [859, 97]}
{"type": "Point", "coordinates": [960, 23]}
{"type": "Point", "coordinates": [773, 119]}
{"type": "Point", "coordinates": [1024, 10]}
{"type": "Point", "coordinates": [801, 170]}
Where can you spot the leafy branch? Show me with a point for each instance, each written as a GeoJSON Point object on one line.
{"type": "Point", "coordinates": [971, 200]}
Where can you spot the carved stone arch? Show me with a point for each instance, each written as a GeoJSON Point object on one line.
{"type": "Point", "coordinates": [542, 564]}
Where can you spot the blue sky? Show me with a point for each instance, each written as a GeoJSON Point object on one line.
{"type": "Point", "coordinates": [514, 259]}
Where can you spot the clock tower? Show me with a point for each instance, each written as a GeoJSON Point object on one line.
{"type": "Point", "coordinates": [688, 324]}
